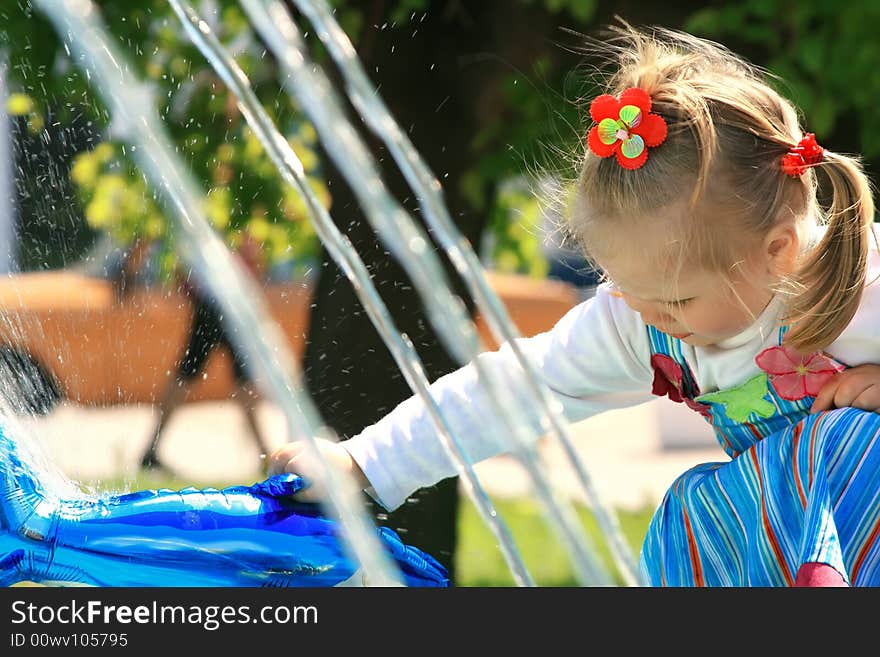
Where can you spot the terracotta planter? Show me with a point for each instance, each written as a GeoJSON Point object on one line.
{"type": "Point", "coordinates": [103, 352]}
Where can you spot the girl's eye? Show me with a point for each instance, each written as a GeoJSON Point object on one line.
{"type": "Point", "coordinates": [681, 302]}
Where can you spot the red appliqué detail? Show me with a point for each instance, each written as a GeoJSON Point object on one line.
{"type": "Point", "coordinates": [668, 383]}
{"type": "Point", "coordinates": [697, 406]}
{"type": "Point", "coordinates": [667, 377]}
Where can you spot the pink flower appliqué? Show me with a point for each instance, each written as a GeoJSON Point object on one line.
{"type": "Point", "coordinates": [794, 375]}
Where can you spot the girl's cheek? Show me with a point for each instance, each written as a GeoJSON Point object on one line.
{"type": "Point", "coordinates": [696, 320]}
{"type": "Point", "coordinates": [682, 315]}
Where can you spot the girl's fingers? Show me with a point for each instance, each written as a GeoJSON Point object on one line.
{"type": "Point", "coordinates": [283, 456]}
{"type": "Point", "coordinates": [825, 397]}
{"type": "Point", "coordinates": [845, 388]}
{"type": "Point", "coordinates": [850, 388]}
{"type": "Point", "coordinates": [868, 399]}
{"type": "Point", "coordinates": [843, 393]}
{"type": "Point", "coordinates": [310, 493]}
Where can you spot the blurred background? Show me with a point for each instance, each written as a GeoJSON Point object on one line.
{"type": "Point", "coordinates": [97, 308]}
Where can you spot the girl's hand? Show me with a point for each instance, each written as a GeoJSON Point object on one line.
{"type": "Point", "coordinates": [858, 387]}
{"type": "Point", "coordinates": [298, 458]}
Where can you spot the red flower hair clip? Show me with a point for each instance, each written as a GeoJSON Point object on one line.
{"type": "Point", "coordinates": [625, 127]}
{"type": "Point", "coordinates": [804, 155]}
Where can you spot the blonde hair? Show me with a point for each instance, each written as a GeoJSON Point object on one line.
{"type": "Point", "coordinates": [728, 131]}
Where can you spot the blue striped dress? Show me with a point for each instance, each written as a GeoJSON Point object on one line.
{"type": "Point", "coordinates": [799, 488]}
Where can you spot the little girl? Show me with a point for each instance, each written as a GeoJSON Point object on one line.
{"type": "Point", "coordinates": [729, 290]}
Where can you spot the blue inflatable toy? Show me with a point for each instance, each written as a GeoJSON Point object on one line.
{"type": "Point", "coordinates": [239, 536]}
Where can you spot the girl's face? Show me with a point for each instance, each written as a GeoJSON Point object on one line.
{"type": "Point", "coordinates": [699, 306]}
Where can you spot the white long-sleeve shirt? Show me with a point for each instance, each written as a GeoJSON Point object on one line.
{"type": "Point", "coordinates": [596, 358]}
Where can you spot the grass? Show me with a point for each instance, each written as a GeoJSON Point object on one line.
{"type": "Point", "coordinates": [479, 560]}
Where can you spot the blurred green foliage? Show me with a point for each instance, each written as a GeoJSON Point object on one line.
{"type": "Point", "coordinates": [244, 191]}
{"type": "Point", "coordinates": [515, 228]}
{"type": "Point", "coordinates": [825, 54]}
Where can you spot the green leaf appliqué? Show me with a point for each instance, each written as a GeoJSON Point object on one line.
{"type": "Point", "coordinates": [742, 401]}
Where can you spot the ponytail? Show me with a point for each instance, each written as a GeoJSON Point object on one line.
{"type": "Point", "coordinates": [831, 277]}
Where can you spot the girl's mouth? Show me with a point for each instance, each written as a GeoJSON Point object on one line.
{"type": "Point", "coordinates": [681, 336]}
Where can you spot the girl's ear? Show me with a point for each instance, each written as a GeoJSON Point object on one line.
{"type": "Point", "coordinates": [781, 248]}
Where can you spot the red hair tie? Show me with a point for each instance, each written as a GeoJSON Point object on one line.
{"type": "Point", "coordinates": [625, 127]}
{"type": "Point", "coordinates": [804, 155]}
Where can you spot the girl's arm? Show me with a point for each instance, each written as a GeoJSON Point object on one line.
{"type": "Point", "coordinates": [596, 358]}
